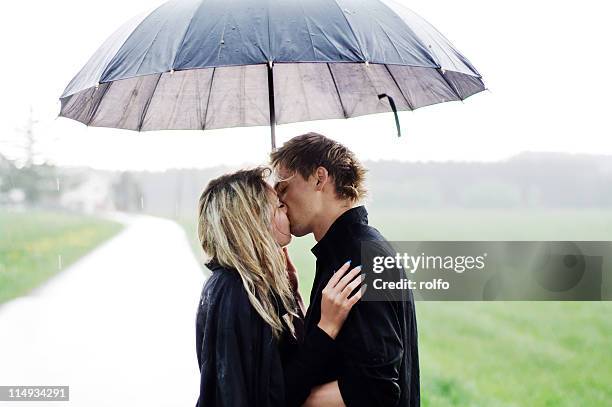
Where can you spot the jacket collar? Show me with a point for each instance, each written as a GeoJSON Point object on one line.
{"type": "Point", "coordinates": [213, 265]}
{"type": "Point", "coordinates": [337, 230]}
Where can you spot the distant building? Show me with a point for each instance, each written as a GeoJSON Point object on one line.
{"type": "Point", "coordinates": [92, 195]}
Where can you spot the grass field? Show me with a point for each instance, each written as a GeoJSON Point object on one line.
{"type": "Point", "coordinates": [502, 353]}
{"type": "Point", "coordinates": [190, 227]}
{"type": "Point", "coordinates": [32, 242]}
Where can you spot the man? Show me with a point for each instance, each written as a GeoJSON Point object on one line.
{"type": "Point", "coordinates": [375, 357]}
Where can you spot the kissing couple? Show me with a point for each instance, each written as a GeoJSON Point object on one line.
{"type": "Point", "coordinates": [257, 345]}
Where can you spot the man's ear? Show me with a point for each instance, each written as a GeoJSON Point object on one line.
{"type": "Point", "coordinates": [321, 177]}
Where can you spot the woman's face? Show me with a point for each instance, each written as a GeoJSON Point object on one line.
{"type": "Point", "coordinates": [279, 221]}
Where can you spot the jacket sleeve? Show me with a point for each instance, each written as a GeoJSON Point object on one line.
{"type": "Point", "coordinates": [372, 349]}
{"type": "Point", "coordinates": [301, 372]}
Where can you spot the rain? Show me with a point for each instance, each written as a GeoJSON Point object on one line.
{"type": "Point", "coordinates": [101, 267]}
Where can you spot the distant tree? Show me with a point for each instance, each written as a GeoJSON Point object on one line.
{"type": "Point", "coordinates": [38, 180]}
{"type": "Point", "coordinates": [127, 193]}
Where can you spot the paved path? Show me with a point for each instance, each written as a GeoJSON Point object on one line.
{"type": "Point", "coordinates": [118, 326]}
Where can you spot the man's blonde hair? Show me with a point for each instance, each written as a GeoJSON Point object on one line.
{"type": "Point", "coordinates": [307, 152]}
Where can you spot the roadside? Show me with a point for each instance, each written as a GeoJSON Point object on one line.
{"type": "Point", "coordinates": [117, 326]}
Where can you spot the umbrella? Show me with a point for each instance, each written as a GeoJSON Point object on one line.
{"type": "Point", "coordinates": [209, 64]}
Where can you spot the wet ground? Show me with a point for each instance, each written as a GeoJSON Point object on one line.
{"type": "Point", "coordinates": [118, 326]}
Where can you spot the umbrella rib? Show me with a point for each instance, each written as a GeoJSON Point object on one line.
{"type": "Point", "coordinates": [212, 76]}
{"type": "Point", "coordinates": [450, 85]}
{"type": "Point", "coordinates": [270, 53]}
{"type": "Point", "coordinates": [391, 42]}
{"type": "Point", "coordinates": [178, 50]}
{"type": "Point", "coordinates": [95, 111]}
{"type": "Point", "coordinates": [112, 60]}
{"type": "Point", "coordinates": [148, 103]}
{"type": "Point", "coordinates": [398, 86]}
{"type": "Point", "coordinates": [314, 52]}
{"type": "Point", "coordinates": [198, 95]}
{"type": "Point", "coordinates": [409, 27]}
{"type": "Point", "coordinates": [144, 56]}
{"type": "Point", "coordinates": [350, 28]}
{"type": "Point", "coordinates": [297, 67]}
{"type": "Point", "coordinates": [337, 91]}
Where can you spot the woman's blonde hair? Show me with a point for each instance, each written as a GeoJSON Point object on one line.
{"type": "Point", "coordinates": [234, 229]}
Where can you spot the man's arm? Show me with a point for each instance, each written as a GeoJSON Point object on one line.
{"type": "Point", "coordinates": [372, 349]}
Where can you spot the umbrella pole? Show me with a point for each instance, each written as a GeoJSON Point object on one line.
{"type": "Point", "coordinates": [271, 104]}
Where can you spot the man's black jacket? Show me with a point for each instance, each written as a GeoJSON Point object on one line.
{"type": "Point", "coordinates": [374, 357]}
{"type": "Point", "coordinates": [376, 360]}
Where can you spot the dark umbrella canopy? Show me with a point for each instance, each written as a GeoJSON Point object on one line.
{"type": "Point", "coordinates": [207, 64]}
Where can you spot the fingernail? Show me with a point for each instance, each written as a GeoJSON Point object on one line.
{"type": "Point", "coordinates": [348, 262]}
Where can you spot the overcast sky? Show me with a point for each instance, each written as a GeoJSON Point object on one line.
{"type": "Point", "coordinates": [546, 63]}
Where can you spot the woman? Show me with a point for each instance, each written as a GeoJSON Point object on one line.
{"type": "Point", "coordinates": [249, 322]}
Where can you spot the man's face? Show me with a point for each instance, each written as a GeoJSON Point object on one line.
{"type": "Point", "coordinates": [300, 197]}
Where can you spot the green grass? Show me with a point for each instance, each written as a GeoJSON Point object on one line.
{"type": "Point", "coordinates": [461, 224]}
{"type": "Point", "coordinates": [458, 224]}
{"type": "Point", "coordinates": [32, 241]}
{"type": "Point", "coordinates": [189, 224]}
{"type": "Point", "coordinates": [515, 353]}
{"type": "Point", "coordinates": [502, 353]}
